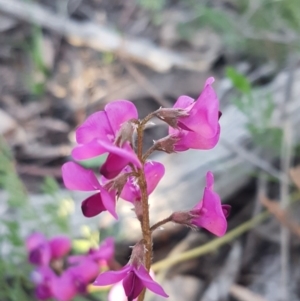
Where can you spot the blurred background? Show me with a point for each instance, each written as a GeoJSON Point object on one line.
{"type": "Point", "coordinates": [61, 60]}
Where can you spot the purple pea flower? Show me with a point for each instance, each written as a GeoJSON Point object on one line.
{"type": "Point", "coordinates": [134, 275]}
{"type": "Point", "coordinates": [209, 213]}
{"type": "Point", "coordinates": [109, 131]}
{"type": "Point", "coordinates": [78, 178]}
{"type": "Point", "coordinates": [154, 171]}
{"type": "Point", "coordinates": [75, 280]}
{"type": "Point", "coordinates": [200, 129]}
{"type": "Point", "coordinates": [102, 255]}
{"type": "Point", "coordinates": [43, 277]}
{"type": "Point", "coordinates": [41, 251]}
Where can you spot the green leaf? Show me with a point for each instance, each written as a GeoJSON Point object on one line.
{"type": "Point", "coordinates": [50, 186]}
{"type": "Point", "coordinates": [94, 162]}
{"type": "Point", "coordinates": [239, 81]}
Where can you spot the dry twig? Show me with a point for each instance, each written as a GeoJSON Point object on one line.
{"type": "Point", "coordinates": [281, 215]}
{"type": "Point", "coordinates": [102, 38]}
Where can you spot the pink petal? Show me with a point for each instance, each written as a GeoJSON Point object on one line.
{"type": "Point", "coordinates": [43, 278]}
{"type": "Point", "coordinates": [192, 140]}
{"type": "Point", "coordinates": [89, 150]}
{"type": "Point", "coordinates": [118, 159]}
{"type": "Point", "coordinates": [106, 250]}
{"type": "Point", "coordinates": [76, 177]}
{"type": "Point", "coordinates": [112, 277]}
{"type": "Point", "coordinates": [131, 191]}
{"type": "Point", "coordinates": [34, 240]}
{"type": "Point", "coordinates": [96, 126]}
{"type": "Point", "coordinates": [64, 288]}
{"type": "Point", "coordinates": [109, 201]}
{"type": "Point", "coordinates": [183, 102]}
{"type": "Point", "coordinates": [39, 249]}
{"type": "Point", "coordinates": [87, 270]}
{"type": "Point", "coordinates": [120, 111]}
{"type": "Point", "coordinates": [204, 115]}
{"type": "Point", "coordinates": [92, 206]}
{"type": "Point", "coordinates": [133, 286]}
{"type": "Point", "coordinates": [226, 210]}
{"type": "Point", "coordinates": [60, 246]}
{"type": "Point", "coordinates": [154, 171]}
{"type": "Point", "coordinates": [210, 180]}
{"type": "Point", "coordinates": [211, 215]}
{"type": "Point", "coordinates": [117, 293]}
{"type": "Point", "coordinates": [148, 282]}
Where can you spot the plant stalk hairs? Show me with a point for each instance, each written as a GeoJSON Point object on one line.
{"type": "Point", "coordinates": [129, 174]}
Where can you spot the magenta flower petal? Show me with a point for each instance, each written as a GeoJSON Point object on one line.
{"type": "Point", "coordinates": [211, 215]}
{"type": "Point", "coordinates": [112, 277]}
{"type": "Point", "coordinates": [76, 177]}
{"type": "Point", "coordinates": [183, 102]}
{"type": "Point", "coordinates": [105, 251]}
{"type": "Point", "coordinates": [117, 159]}
{"type": "Point", "coordinates": [89, 150]}
{"type": "Point", "coordinates": [117, 293]}
{"type": "Point", "coordinates": [210, 180]}
{"type": "Point", "coordinates": [92, 206]}
{"type": "Point", "coordinates": [131, 191]}
{"type": "Point", "coordinates": [119, 112]}
{"type": "Point", "coordinates": [96, 126]}
{"type": "Point", "coordinates": [86, 271]}
{"type": "Point", "coordinates": [192, 140]}
{"type": "Point", "coordinates": [204, 115]}
{"type": "Point", "coordinates": [43, 278]}
{"type": "Point", "coordinates": [64, 287]}
{"type": "Point", "coordinates": [148, 282]}
{"type": "Point", "coordinates": [154, 171]}
{"type": "Point", "coordinates": [133, 286]}
{"type": "Point", "coordinates": [34, 240]}
{"type": "Point", "coordinates": [226, 210]}
{"type": "Point", "coordinates": [60, 246]}
{"type": "Point", "coordinates": [39, 249]}
{"type": "Point", "coordinates": [108, 201]}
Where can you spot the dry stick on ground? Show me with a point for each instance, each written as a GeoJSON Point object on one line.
{"type": "Point", "coordinates": [295, 175]}
{"type": "Point", "coordinates": [286, 156]}
{"type": "Point", "coordinates": [251, 240]}
{"type": "Point", "coordinates": [219, 288]}
{"type": "Point", "coordinates": [281, 215]}
{"type": "Point", "coordinates": [242, 293]}
{"type": "Point", "coordinates": [102, 38]}
{"type": "Point", "coordinates": [256, 161]}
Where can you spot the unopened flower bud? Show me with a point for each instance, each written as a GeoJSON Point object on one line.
{"type": "Point", "coordinates": [183, 218]}
{"type": "Point", "coordinates": [125, 133]}
{"type": "Point", "coordinates": [138, 209]}
{"type": "Point", "coordinates": [171, 115]}
{"type": "Point", "coordinates": [118, 183]}
{"type": "Point", "coordinates": [138, 254]}
{"type": "Point", "coordinates": [167, 144]}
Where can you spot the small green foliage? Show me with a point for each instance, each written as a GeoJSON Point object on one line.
{"type": "Point", "coordinates": [94, 162]}
{"type": "Point", "coordinates": [152, 5]}
{"type": "Point", "coordinates": [50, 186]}
{"type": "Point", "coordinates": [49, 217]}
{"type": "Point", "coordinates": [258, 110]}
{"type": "Point", "coordinates": [239, 81]}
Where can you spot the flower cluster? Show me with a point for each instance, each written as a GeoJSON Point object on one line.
{"type": "Point", "coordinates": [127, 173]}
{"type": "Point", "coordinates": [59, 276]}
